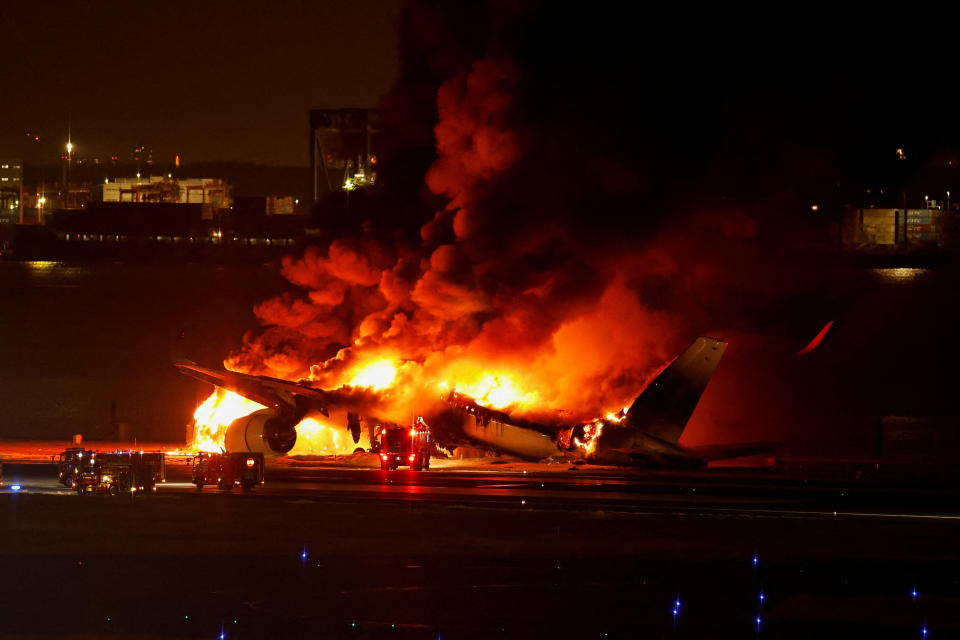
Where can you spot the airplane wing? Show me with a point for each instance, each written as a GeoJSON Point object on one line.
{"type": "Point", "coordinates": [297, 398]}
{"type": "Point", "coordinates": [270, 392]}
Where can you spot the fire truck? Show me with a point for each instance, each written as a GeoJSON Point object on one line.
{"type": "Point", "coordinates": [118, 472]}
{"type": "Point", "coordinates": [399, 446]}
{"type": "Point", "coordinates": [228, 470]}
{"type": "Point", "coordinates": [67, 464]}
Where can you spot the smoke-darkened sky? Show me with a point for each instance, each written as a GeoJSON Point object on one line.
{"type": "Point", "coordinates": [210, 79]}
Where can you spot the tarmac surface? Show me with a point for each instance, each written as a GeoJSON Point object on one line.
{"type": "Point", "coordinates": [561, 551]}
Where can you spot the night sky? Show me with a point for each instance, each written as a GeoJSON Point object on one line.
{"type": "Point", "coordinates": [212, 80]}
{"type": "Point", "coordinates": [232, 80]}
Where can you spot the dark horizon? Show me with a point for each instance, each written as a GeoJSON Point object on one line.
{"type": "Point", "coordinates": [212, 82]}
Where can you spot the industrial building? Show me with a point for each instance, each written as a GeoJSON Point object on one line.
{"type": "Point", "coordinates": [895, 229]}
{"type": "Point", "coordinates": [343, 146]}
{"type": "Point", "coordinates": [213, 194]}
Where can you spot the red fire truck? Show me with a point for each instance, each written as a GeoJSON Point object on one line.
{"type": "Point", "coordinates": [401, 447]}
{"type": "Point", "coordinates": [228, 470]}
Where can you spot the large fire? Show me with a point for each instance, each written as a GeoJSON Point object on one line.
{"type": "Point", "coordinates": [316, 434]}
{"type": "Point", "coordinates": [376, 375]}
{"type": "Point", "coordinates": [215, 414]}
{"type": "Point", "coordinates": [500, 299]}
{"type": "Point", "coordinates": [494, 390]}
{"type": "Point", "coordinates": [320, 435]}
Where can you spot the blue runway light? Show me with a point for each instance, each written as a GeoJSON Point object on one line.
{"type": "Point", "coordinates": [923, 632]}
{"type": "Point", "coordinates": [303, 554]}
{"type": "Point", "coordinates": [14, 487]}
{"type": "Point", "coordinates": [761, 597]}
{"type": "Point", "coordinates": [914, 593]}
{"type": "Point", "coordinates": [755, 560]}
{"type": "Point", "coordinates": [758, 621]}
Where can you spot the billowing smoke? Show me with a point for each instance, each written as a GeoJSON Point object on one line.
{"type": "Point", "coordinates": [556, 268]}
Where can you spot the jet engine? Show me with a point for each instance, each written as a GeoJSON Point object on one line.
{"type": "Point", "coordinates": [261, 432]}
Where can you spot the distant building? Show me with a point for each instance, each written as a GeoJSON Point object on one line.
{"type": "Point", "coordinates": [142, 156]}
{"type": "Point", "coordinates": [146, 230]}
{"type": "Point", "coordinates": [343, 146]}
{"type": "Point", "coordinates": [213, 194]}
{"type": "Point", "coordinates": [11, 172]}
{"type": "Point", "coordinates": [867, 229]}
{"type": "Point", "coordinates": [281, 206]}
{"type": "Point", "coordinates": [11, 190]}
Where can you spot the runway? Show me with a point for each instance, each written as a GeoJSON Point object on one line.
{"type": "Point", "coordinates": [747, 493]}
{"type": "Point", "coordinates": [452, 553]}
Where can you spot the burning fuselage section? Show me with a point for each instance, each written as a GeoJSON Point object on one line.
{"type": "Point", "coordinates": [464, 421]}
{"type": "Point", "coordinates": [645, 434]}
{"type": "Point", "coordinates": [602, 441]}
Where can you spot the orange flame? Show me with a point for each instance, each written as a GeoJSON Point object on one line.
{"type": "Point", "coordinates": [319, 435]}
{"type": "Point", "coordinates": [215, 414]}
{"type": "Point", "coordinates": [316, 435]}
{"type": "Point", "coordinates": [591, 433]}
{"type": "Point", "coordinates": [376, 375]}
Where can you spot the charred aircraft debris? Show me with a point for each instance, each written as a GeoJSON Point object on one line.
{"type": "Point", "coordinates": [646, 433]}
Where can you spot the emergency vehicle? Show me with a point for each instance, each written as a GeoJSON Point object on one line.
{"type": "Point", "coordinates": [228, 470]}
{"type": "Point", "coordinates": [67, 464]}
{"type": "Point", "coordinates": [399, 446]}
{"type": "Point", "coordinates": [118, 472]}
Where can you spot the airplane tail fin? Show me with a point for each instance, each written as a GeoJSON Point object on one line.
{"type": "Point", "coordinates": [665, 406]}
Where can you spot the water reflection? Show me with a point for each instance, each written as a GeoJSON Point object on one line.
{"type": "Point", "coordinates": [899, 274]}
{"type": "Point", "coordinates": [41, 265]}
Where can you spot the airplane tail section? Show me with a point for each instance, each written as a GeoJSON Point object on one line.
{"type": "Point", "coordinates": [665, 406]}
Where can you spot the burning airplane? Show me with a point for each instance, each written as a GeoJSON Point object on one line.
{"type": "Point", "coordinates": [264, 414]}
{"type": "Point", "coordinates": [530, 290]}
